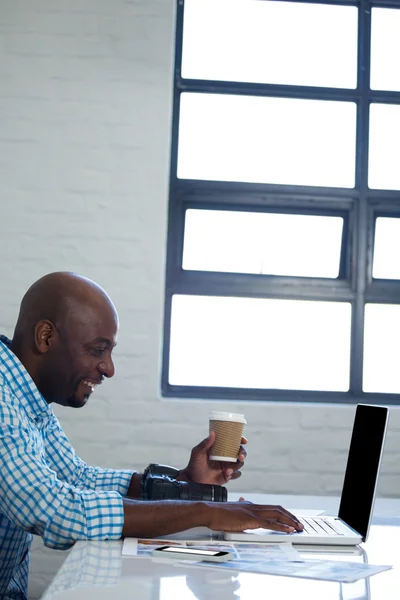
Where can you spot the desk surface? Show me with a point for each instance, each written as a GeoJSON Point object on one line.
{"type": "Point", "coordinates": [97, 569]}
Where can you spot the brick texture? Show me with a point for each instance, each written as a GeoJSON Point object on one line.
{"type": "Point", "coordinates": [85, 111]}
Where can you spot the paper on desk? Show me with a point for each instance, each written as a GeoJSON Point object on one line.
{"type": "Point", "coordinates": [271, 559]}
{"type": "Point", "coordinates": [247, 552]}
{"type": "Point", "coordinates": [343, 572]}
{"type": "Point", "coordinates": [244, 552]}
{"type": "Point", "coordinates": [129, 547]}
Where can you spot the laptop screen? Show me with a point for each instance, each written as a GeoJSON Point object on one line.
{"type": "Point", "coordinates": [362, 469]}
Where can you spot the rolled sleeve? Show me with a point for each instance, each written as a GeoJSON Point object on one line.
{"type": "Point", "coordinates": [85, 514]}
{"type": "Point", "coordinates": [108, 479]}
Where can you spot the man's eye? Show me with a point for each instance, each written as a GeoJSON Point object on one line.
{"type": "Point", "coordinates": [98, 351]}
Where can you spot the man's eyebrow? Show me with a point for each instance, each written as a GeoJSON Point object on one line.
{"type": "Point", "coordinates": [103, 340]}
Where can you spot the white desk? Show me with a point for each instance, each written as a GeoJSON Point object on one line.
{"type": "Point", "coordinates": [97, 569]}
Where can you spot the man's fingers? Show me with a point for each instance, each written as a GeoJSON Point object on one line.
{"type": "Point", "coordinates": [278, 526]}
{"type": "Point", "coordinates": [244, 440]}
{"type": "Point", "coordinates": [275, 514]}
{"type": "Point", "coordinates": [242, 454]}
{"type": "Point", "coordinates": [277, 510]}
{"type": "Point", "coordinates": [231, 468]}
{"type": "Point", "coordinates": [236, 466]}
{"type": "Point", "coordinates": [282, 515]}
{"type": "Point", "coordinates": [242, 515]}
{"type": "Point", "coordinates": [290, 515]}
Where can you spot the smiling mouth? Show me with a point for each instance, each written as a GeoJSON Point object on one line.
{"type": "Point", "coordinates": [89, 384]}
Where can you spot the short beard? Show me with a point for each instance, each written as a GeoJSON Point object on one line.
{"type": "Point", "coordinates": [72, 402]}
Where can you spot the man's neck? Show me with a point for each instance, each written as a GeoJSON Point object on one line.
{"type": "Point", "coordinates": [25, 358]}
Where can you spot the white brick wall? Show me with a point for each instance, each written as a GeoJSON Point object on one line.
{"type": "Point", "coordinates": [85, 105]}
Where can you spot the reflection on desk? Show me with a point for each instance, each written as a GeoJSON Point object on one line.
{"type": "Point", "coordinates": [97, 570]}
{"type": "Point", "coordinates": [89, 564]}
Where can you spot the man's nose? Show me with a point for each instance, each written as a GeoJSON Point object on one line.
{"type": "Point", "coordinates": [106, 367]}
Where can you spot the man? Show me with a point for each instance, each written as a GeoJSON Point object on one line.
{"type": "Point", "coordinates": [61, 350]}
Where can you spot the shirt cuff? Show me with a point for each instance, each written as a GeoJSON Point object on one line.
{"type": "Point", "coordinates": [86, 515]}
{"type": "Point", "coordinates": [113, 480]}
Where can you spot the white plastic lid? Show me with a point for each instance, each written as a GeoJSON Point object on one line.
{"type": "Point", "coordinates": [227, 416]}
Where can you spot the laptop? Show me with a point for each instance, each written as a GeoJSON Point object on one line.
{"type": "Point", "coordinates": [351, 526]}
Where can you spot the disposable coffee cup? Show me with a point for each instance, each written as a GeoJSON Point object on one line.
{"type": "Point", "coordinates": [228, 429]}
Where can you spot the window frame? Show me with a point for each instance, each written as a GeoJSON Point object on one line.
{"type": "Point", "coordinates": [359, 206]}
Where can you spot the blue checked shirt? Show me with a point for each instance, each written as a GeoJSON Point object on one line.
{"type": "Point", "coordinates": [45, 489]}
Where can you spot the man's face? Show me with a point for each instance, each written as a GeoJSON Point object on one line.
{"type": "Point", "coordinates": [80, 358]}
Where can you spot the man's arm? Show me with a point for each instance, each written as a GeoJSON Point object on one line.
{"type": "Point", "coordinates": [153, 519]}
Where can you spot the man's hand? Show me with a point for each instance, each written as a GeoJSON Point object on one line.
{"type": "Point", "coordinates": [237, 516]}
{"type": "Point", "coordinates": [203, 470]}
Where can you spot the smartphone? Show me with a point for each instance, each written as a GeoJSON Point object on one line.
{"type": "Point", "coordinates": [184, 553]}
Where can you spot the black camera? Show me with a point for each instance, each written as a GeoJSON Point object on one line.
{"type": "Point", "coordinates": [159, 483]}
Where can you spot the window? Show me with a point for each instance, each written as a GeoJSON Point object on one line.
{"type": "Point", "coordinates": [283, 276]}
{"type": "Point", "coordinates": [268, 243]}
{"type": "Point", "coordinates": [290, 141]}
{"type": "Point", "coordinates": [259, 343]}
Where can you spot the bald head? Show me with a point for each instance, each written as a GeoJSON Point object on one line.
{"type": "Point", "coordinates": [60, 297]}
{"type": "Point", "coordinates": [65, 333]}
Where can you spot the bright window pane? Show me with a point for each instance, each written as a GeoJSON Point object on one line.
{"type": "Point", "coordinates": [387, 248]}
{"type": "Point", "coordinates": [260, 343]}
{"type": "Point", "coordinates": [385, 49]}
{"type": "Point", "coordinates": [384, 147]}
{"type": "Point", "coordinates": [381, 348]}
{"type": "Point", "coordinates": [267, 140]}
{"type": "Point", "coordinates": [270, 42]}
{"type": "Point", "coordinates": [265, 243]}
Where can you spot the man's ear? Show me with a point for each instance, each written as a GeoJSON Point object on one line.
{"type": "Point", "coordinates": [45, 336]}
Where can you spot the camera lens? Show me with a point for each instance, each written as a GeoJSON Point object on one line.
{"type": "Point", "coordinates": [220, 493]}
{"type": "Point", "coordinates": [202, 491]}
{"type": "Point", "coordinates": [162, 487]}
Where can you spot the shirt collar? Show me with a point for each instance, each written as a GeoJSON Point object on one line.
{"type": "Point", "coordinates": [21, 383]}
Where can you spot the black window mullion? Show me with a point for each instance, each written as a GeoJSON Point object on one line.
{"type": "Point", "coordinates": [175, 229]}
{"type": "Point", "coordinates": [270, 90]}
{"type": "Point", "coordinates": [361, 223]}
{"type": "Point", "coordinates": [165, 386]}
{"type": "Point", "coordinates": [247, 285]}
{"type": "Point", "coordinates": [273, 395]}
{"type": "Point", "coordinates": [242, 192]}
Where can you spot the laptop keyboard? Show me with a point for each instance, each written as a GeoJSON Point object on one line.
{"type": "Point", "coordinates": [320, 526]}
